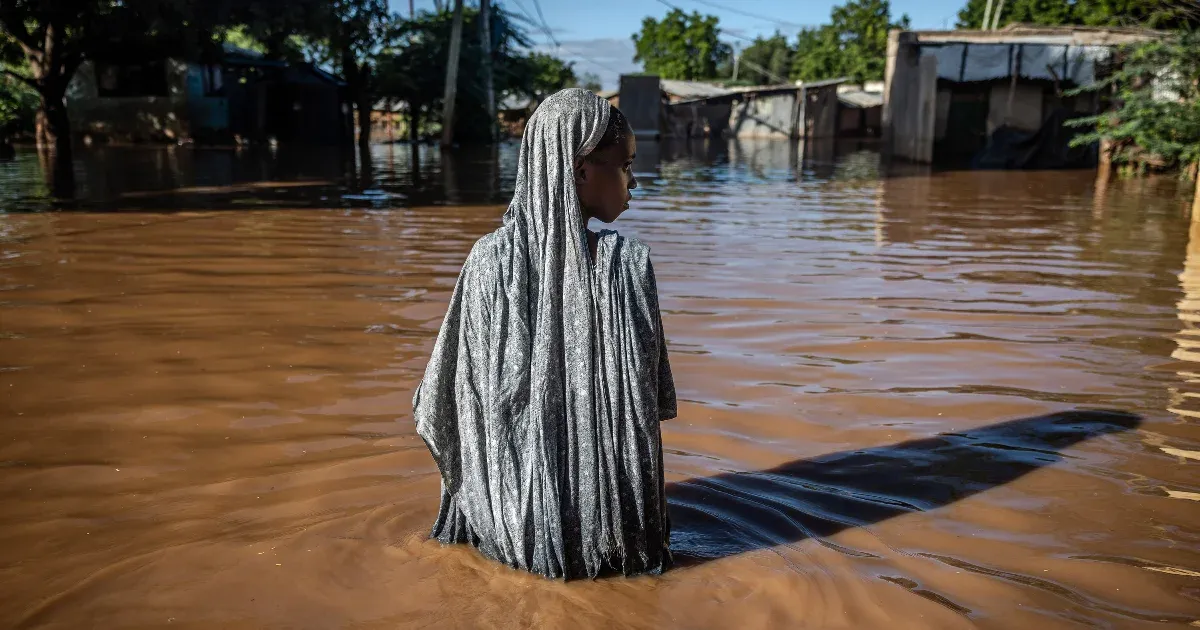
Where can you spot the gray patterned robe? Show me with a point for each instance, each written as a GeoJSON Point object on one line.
{"type": "Point", "coordinates": [542, 398]}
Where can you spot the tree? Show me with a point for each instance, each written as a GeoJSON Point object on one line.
{"type": "Point", "coordinates": [862, 27]}
{"type": "Point", "coordinates": [545, 74]}
{"type": "Point", "coordinates": [766, 61]}
{"type": "Point", "coordinates": [1158, 112]}
{"type": "Point", "coordinates": [1163, 14]}
{"type": "Point", "coordinates": [352, 41]}
{"type": "Point", "coordinates": [853, 45]}
{"type": "Point", "coordinates": [285, 30]}
{"type": "Point", "coordinates": [56, 36]}
{"type": "Point", "coordinates": [681, 46]}
{"type": "Point", "coordinates": [590, 81]}
{"type": "Point", "coordinates": [18, 109]}
{"type": "Point", "coordinates": [411, 70]}
{"type": "Point", "coordinates": [818, 55]}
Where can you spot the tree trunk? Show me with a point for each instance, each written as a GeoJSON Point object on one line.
{"type": "Point", "coordinates": [54, 137]}
{"type": "Point", "coordinates": [414, 141]}
{"type": "Point", "coordinates": [485, 43]}
{"type": "Point", "coordinates": [364, 123]}
{"type": "Point", "coordinates": [452, 76]}
{"type": "Point", "coordinates": [414, 123]}
{"type": "Point", "coordinates": [364, 130]}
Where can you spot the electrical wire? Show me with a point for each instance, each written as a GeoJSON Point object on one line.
{"type": "Point", "coordinates": [753, 15]}
{"type": "Point", "coordinates": [730, 33]}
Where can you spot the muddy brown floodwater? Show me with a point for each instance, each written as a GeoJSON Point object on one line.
{"type": "Point", "coordinates": [908, 400]}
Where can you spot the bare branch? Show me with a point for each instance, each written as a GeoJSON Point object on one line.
{"type": "Point", "coordinates": [13, 25]}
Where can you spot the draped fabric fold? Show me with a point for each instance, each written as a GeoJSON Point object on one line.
{"type": "Point", "coordinates": [542, 397]}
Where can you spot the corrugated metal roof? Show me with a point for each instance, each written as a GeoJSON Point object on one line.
{"type": "Point", "coordinates": [692, 89]}
{"type": "Point", "coordinates": [808, 85]}
{"type": "Point", "coordinates": [860, 99]}
{"type": "Point", "coordinates": [515, 102]}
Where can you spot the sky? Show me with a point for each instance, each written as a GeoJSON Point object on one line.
{"type": "Point", "coordinates": [596, 34]}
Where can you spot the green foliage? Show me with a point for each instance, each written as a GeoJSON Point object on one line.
{"type": "Point", "coordinates": [1162, 14]}
{"type": "Point", "coordinates": [681, 46]}
{"type": "Point", "coordinates": [413, 68]}
{"type": "Point", "coordinates": [590, 81]}
{"type": "Point", "coordinates": [377, 53]}
{"type": "Point", "coordinates": [853, 45]}
{"type": "Point", "coordinates": [543, 74]}
{"type": "Point", "coordinates": [766, 61]}
{"type": "Point", "coordinates": [279, 29]}
{"type": "Point", "coordinates": [1157, 89]}
{"type": "Point", "coordinates": [818, 55]}
{"type": "Point", "coordinates": [18, 108]}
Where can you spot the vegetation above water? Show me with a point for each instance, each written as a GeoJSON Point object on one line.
{"type": "Point", "coordinates": [854, 42]}
{"type": "Point", "coordinates": [379, 54]}
{"type": "Point", "coordinates": [1156, 121]}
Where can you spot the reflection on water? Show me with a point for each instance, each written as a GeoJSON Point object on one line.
{"type": "Point", "coordinates": [908, 399]}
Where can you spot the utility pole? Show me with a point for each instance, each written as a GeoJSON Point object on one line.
{"type": "Point", "coordinates": [411, 12]}
{"type": "Point", "coordinates": [485, 44]}
{"type": "Point", "coordinates": [996, 15]}
{"type": "Point", "coordinates": [452, 76]}
{"type": "Point", "coordinates": [736, 50]}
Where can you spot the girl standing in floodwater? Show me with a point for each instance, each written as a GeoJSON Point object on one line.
{"type": "Point", "coordinates": [549, 376]}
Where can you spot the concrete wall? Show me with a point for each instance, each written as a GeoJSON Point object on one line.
{"type": "Point", "coordinates": [141, 118]}
{"type": "Point", "coordinates": [909, 100]}
{"type": "Point", "coordinates": [641, 102]}
{"type": "Point", "coordinates": [769, 116]}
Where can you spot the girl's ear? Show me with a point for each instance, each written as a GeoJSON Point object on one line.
{"type": "Point", "coordinates": [580, 171]}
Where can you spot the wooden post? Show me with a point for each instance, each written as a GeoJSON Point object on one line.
{"type": "Point", "coordinates": [485, 44]}
{"type": "Point", "coordinates": [1104, 169]}
{"type": "Point", "coordinates": [1196, 195]}
{"type": "Point", "coordinates": [452, 76]}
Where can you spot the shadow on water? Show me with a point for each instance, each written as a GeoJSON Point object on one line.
{"type": "Point", "coordinates": [734, 513]}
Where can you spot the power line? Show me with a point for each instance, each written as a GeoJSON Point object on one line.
{"type": "Point", "coordinates": [545, 27]}
{"type": "Point", "coordinates": [730, 33]}
{"type": "Point", "coordinates": [753, 15]}
{"type": "Point", "coordinates": [549, 33]}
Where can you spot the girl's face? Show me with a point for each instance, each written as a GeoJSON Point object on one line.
{"type": "Point", "coordinates": [604, 179]}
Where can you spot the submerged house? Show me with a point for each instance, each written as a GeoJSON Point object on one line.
{"type": "Point", "coordinates": [995, 99]}
{"type": "Point", "coordinates": [241, 97]}
{"type": "Point", "coordinates": [658, 108]}
{"type": "Point", "coordinates": [860, 110]}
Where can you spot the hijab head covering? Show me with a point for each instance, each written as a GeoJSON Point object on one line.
{"type": "Point", "coordinates": [539, 468]}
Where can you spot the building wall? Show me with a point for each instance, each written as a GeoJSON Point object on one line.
{"type": "Point", "coordinates": [821, 112]}
{"type": "Point", "coordinates": [641, 102]}
{"type": "Point", "coordinates": [768, 116]}
{"type": "Point", "coordinates": [209, 113]}
{"type": "Point", "coordinates": [910, 100]}
{"type": "Point", "coordinates": [698, 120]}
{"type": "Point", "coordinates": [132, 118]}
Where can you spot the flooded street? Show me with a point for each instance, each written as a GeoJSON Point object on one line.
{"type": "Point", "coordinates": [907, 400]}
